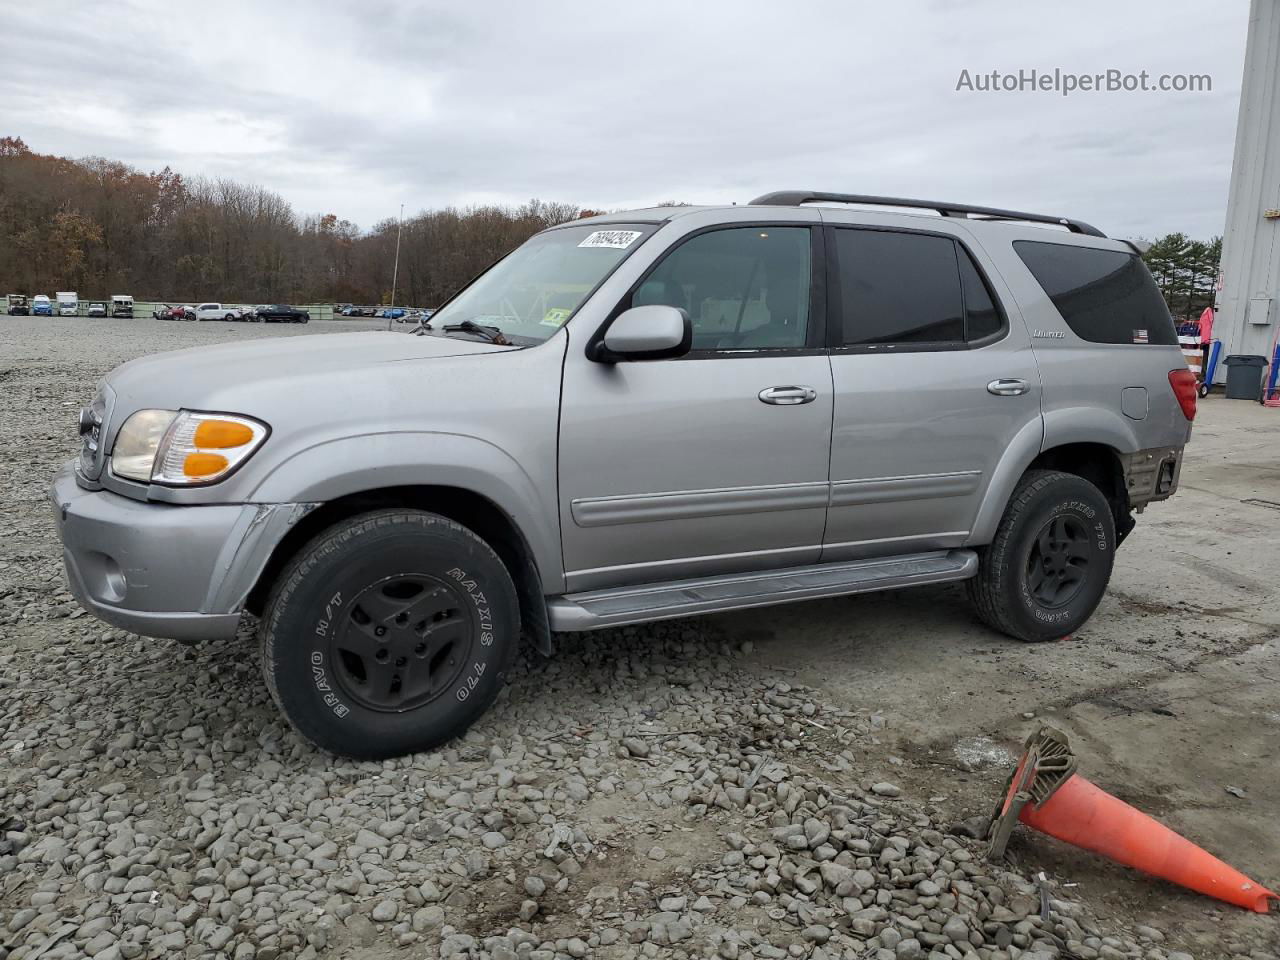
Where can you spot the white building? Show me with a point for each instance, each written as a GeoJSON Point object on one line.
{"type": "Point", "coordinates": [1249, 299]}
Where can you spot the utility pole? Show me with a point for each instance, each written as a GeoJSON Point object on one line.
{"type": "Point", "coordinates": [395, 272]}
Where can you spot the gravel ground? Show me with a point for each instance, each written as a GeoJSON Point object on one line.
{"type": "Point", "coordinates": [649, 792]}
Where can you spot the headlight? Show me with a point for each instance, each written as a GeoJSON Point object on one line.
{"type": "Point", "coordinates": [182, 448]}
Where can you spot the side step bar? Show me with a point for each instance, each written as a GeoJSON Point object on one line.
{"type": "Point", "coordinates": [619, 606]}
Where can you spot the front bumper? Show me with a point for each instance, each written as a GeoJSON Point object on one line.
{"type": "Point", "coordinates": [180, 572]}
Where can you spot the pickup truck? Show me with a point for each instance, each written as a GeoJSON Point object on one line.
{"type": "Point", "coordinates": [216, 311]}
{"type": "Point", "coordinates": [96, 309]}
{"type": "Point", "coordinates": [633, 417]}
{"type": "Point", "coordinates": [18, 305]}
{"type": "Point", "coordinates": [282, 313]}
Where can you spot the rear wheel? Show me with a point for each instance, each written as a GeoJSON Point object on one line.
{"type": "Point", "coordinates": [390, 633]}
{"type": "Point", "coordinates": [1047, 568]}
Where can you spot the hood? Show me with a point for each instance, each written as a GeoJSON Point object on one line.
{"type": "Point", "coordinates": [193, 377]}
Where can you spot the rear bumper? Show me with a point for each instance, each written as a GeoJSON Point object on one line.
{"type": "Point", "coordinates": [180, 572]}
{"type": "Point", "coordinates": [1151, 474]}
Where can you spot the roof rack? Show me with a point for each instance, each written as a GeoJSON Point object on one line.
{"type": "Point", "coordinates": [793, 198]}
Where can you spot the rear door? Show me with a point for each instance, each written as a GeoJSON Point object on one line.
{"type": "Point", "coordinates": [933, 381]}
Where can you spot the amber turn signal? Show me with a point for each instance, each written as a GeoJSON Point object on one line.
{"type": "Point", "coordinates": [204, 464]}
{"type": "Point", "coordinates": [221, 434]}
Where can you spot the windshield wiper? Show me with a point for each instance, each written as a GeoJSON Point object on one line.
{"type": "Point", "coordinates": [490, 333]}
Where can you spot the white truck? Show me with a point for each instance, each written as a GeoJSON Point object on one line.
{"type": "Point", "coordinates": [217, 311]}
{"type": "Point", "coordinates": [68, 303]}
{"type": "Point", "coordinates": [122, 306]}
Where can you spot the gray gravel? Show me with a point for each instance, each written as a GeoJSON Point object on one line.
{"type": "Point", "coordinates": [639, 795]}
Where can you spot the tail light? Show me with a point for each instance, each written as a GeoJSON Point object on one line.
{"type": "Point", "coordinates": [1185, 387]}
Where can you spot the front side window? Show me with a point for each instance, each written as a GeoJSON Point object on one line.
{"type": "Point", "coordinates": [529, 294]}
{"type": "Point", "coordinates": [744, 288]}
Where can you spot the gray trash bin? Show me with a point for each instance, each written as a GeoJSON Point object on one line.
{"type": "Point", "coordinates": [1244, 376]}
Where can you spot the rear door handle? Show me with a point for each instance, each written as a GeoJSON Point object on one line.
{"type": "Point", "coordinates": [787, 396]}
{"type": "Point", "coordinates": [1008, 387]}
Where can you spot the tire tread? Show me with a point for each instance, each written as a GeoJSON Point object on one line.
{"type": "Point", "coordinates": [991, 589]}
{"type": "Point", "coordinates": [324, 544]}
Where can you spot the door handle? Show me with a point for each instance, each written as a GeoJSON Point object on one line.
{"type": "Point", "coordinates": [1008, 387]}
{"type": "Point", "coordinates": [787, 396]}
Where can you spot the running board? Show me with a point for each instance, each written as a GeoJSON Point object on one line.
{"type": "Point", "coordinates": [619, 606]}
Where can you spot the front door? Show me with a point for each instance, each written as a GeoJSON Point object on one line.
{"type": "Point", "coordinates": [718, 461]}
{"type": "Point", "coordinates": [933, 382]}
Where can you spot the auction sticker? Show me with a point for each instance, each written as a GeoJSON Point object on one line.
{"type": "Point", "coordinates": [555, 317]}
{"type": "Point", "coordinates": [616, 239]}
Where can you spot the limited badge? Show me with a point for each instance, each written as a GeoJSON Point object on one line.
{"type": "Point", "coordinates": [614, 239]}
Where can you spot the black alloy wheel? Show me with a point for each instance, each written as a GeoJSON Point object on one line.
{"type": "Point", "coordinates": [402, 642]}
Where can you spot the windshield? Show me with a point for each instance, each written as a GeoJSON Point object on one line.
{"type": "Point", "coordinates": [530, 293]}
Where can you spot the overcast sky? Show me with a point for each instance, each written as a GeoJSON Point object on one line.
{"type": "Point", "coordinates": [355, 108]}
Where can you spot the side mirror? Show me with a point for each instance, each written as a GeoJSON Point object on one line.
{"type": "Point", "coordinates": [652, 332]}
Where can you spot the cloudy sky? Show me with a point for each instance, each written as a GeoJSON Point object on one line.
{"type": "Point", "coordinates": [355, 108]}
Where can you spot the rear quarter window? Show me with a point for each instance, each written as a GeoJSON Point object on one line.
{"type": "Point", "coordinates": [1105, 296]}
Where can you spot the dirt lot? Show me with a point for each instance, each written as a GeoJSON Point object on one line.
{"type": "Point", "coordinates": [774, 783]}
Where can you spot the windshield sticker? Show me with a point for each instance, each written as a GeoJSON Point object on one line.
{"type": "Point", "coordinates": [615, 239]}
{"type": "Point", "coordinates": [555, 317]}
{"type": "Point", "coordinates": [1140, 336]}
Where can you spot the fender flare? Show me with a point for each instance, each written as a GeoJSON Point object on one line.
{"type": "Point", "coordinates": [351, 465]}
{"type": "Point", "coordinates": [1056, 428]}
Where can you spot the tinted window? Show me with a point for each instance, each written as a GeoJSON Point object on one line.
{"type": "Point", "coordinates": [981, 318]}
{"type": "Point", "coordinates": [899, 288]}
{"type": "Point", "coordinates": [1104, 295]}
{"type": "Point", "coordinates": [744, 288]}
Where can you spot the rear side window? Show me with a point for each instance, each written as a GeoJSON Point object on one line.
{"type": "Point", "coordinates": [909, 289]}
{"type": "Point", "coordinates": [898, 288]}
{"type": "Point", "coordinates": [1105, 296]}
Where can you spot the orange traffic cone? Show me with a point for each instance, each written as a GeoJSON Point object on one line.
{"type": "Point", "coordinates": [1047, 795]}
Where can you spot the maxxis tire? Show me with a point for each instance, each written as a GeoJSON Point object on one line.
{"type": "Point", "coordinates": [1001, 594]}
{"type": "Point", "coordinates": [305, 608]}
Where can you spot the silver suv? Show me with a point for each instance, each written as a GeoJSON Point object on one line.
{"type": "Point", "coordinates": [634, 417]}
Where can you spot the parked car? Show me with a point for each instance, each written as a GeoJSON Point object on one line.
{"type": "Point", "coordinates": [18, 305]}
{"type": "Point", "coordinates": [41, 306]}
{"type": "Point", "coordinates": [394, 313]}
{"type": "Point", "coordinates": [122, 306]}
{"type": "Point", "coordinates": [176, 312]}
{"type": "Point", "coordinates": [96, 309]}
{"type": "Point", "coordinates": [68, 303]}
{"type": "Point", "coordinates": [282, 313]}
{"type": "Point", "coordinates": [350, 311]}
{"type": "Point", "coordinates": [685, 410]}
{"type": "Point", "coordinates": [161, 311]}
{"type": "Point", "coordinates": [217, 311]}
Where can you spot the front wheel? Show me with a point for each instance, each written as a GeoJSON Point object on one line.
{"type": "Point", "coordinates": [1046, 570]}
{"type": "Point", "coordinates": [390, 633]}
